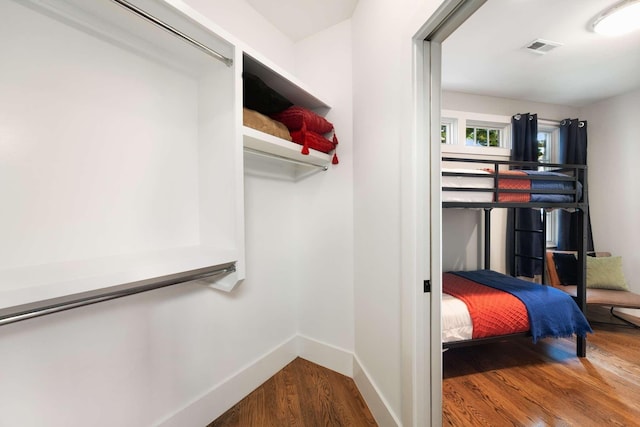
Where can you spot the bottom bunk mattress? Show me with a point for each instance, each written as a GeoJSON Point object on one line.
{"type": "Point", "coordinates": [485, 303]}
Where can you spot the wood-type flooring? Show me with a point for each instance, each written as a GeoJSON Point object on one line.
{"type": "Point", "coordinates": [512, 383]}
{"type": "Point", "coordinates": [301, 394]}
{"type": "Point", "coordinates": [518, 383]}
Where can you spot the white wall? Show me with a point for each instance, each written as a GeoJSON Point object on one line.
{"type": "Point", "coordinates": [462, 249]}
{"type": "Point", "coordinates": [504, 106]}
{"type": "Point", "coordinates": [238, 18]}
{"type": "Point", "coordinates": [612, 154]}
{"type": "Point", "coordinates": [382, 105]}
{"type": "Point", "coordinates": [325, 209]}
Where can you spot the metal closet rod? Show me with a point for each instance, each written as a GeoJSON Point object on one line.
{"type": "Point", "coordinates": [55, 305]}
{"type": "Point", "coordinates": [141, 13]}
{"type": "Point", "coordinates": [285, 159]}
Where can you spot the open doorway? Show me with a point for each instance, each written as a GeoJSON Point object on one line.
{"type": "Point", "coordinates": [427, 82]}
{"type": "Point", "coordinates": [462, 108]}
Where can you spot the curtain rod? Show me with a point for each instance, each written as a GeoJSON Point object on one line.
{"type": "Point", "coordinates": [55, 305]}
{"type": "Point", "coordinates": [540, 119]}
{"type": "Point", "coordinates": [141, 13]}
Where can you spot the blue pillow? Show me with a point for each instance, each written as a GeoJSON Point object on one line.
{"type": "Point", "coordinates": [566, 267]}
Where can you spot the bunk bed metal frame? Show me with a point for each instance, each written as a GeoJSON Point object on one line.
{"type": "Point", "coordinates": [576, 174]}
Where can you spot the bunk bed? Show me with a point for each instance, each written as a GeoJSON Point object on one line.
{"type": "Point", "coordinates": [503, 306]}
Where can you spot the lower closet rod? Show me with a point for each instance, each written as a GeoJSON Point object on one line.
{"type": "Point", "coordinates": [55, 305]}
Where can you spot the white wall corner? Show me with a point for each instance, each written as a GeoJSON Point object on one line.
{"type": "Point", "coordinates": [230, 391]}
{"type": "Point", "coordinates": [327, 355]}
{"type": "Point", "coordinates": [233, 389]}
{"type": "Point", "coordinates": [378, 405]}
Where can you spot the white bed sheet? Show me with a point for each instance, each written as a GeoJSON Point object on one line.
{"type": "Point", "coordinates": [456, 320]}
{"type": "Point", "coordinates": [467, 182]}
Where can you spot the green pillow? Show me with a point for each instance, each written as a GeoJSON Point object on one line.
{"type": "Point", "coordinates": [606, 273]}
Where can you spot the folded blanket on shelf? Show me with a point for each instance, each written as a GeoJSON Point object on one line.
{"type": "Point", "coordinates": [258, 121]}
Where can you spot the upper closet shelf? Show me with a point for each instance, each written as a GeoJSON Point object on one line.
{"type": "Point", "coordinates": [260, 141]}
{"type": "Point", "coordinates": [283, 83]}
{"type": "Point", "coordinates": [269, 155]}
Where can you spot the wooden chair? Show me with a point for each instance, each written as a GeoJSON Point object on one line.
{"type": "Point", "coordinates": [604, 297]}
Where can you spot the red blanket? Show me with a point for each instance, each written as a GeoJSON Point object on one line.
{"type": "Point", "coordinates": [513, 184]}
{"type": "Point", "coordinates": [492, 311]}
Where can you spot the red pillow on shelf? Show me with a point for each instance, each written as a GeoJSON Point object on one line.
{"type": "Point", "coordinates": [307, 129]}
{"type": "Point", "coordinates": [297, 118]}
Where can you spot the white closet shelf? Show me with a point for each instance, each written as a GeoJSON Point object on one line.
{"type": "Point", "coordinates": [281, 148]}
{"type": "Point", "coordinates": [283, 83]}
{"type": "Point", "coordinates": [273, 157]}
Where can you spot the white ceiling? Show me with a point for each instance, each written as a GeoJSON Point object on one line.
{"type": "Point", "coordinates": [298, 19]}
{"type": "Point", "coordinates": [486, 56]}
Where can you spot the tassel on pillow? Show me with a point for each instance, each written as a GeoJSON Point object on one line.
{"type": "Point", "coordinates": [312, 140]}
{"type": "Point", "coordinates": [334, 160]}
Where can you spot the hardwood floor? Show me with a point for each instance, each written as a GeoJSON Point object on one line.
{"type": "Point", "coordinates": [514, 383]}
{"type": "Point", "coordinates": [517, 383]}
{"type": "Point", "coordinates": [301, 394]}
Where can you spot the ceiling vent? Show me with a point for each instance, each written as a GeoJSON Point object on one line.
{"type": "Point", "coordinates": [541, 47]}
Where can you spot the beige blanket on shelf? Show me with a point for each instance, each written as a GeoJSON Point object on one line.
{"type": "Point", "coordinates": [260, 122]}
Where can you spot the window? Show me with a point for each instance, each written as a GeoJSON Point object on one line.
{"type": "Point", "coordinates": [475, 133]}
{"type": "Point", "coordinates": [547, 153]}
{"type": "Point", "coordinates": [447, 134]}
{"type": "Point", "coordinates": [484, 136]}
{"type": "Point", "coordinates": [544, 146]}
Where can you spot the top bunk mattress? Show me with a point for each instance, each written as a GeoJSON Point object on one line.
{"type": "Point", "coordinates": [478, 184]}
{"type": "Point", "coordinates": [457, 178]}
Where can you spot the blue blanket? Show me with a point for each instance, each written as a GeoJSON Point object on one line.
{"type": "Point", "coordinates": [537, 184]}
{"type": "Point", "coordinates": [552, 313]}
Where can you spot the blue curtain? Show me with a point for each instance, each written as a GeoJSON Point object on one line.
{"type": "Point", "coordinates": [573, 150]}
{"type": "Point", "coordinates": [524, 147]}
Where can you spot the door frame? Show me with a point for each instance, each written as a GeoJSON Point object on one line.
{"type": "Point", "coordinates": [426, 212]}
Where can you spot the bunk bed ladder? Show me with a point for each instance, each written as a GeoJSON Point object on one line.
{"type": "Point", "coordinates": [518, 233]}
{"type": "Point", "coordinates": [487, 238]}
{"type": "Point", "coordinates": [581, 297]}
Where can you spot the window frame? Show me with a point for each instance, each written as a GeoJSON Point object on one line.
{"type": "Point", "coordinates": [552, 156]}
{"type": "Point", "coordinates": [451, 137]}
{"type": "Point", "coordinates": [488, 127]}
{"type": "Point", "coordinates": [460, 120]}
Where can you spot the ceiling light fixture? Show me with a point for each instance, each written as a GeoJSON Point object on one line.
{"type": "Point", "coordinates": [621, 18]}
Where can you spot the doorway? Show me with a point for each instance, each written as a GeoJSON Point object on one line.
{"type": "Point", "coordinates": [427, 83]}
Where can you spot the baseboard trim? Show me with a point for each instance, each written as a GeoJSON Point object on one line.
{"type": "Point", "coordinates": [379, 407]}
{"type": "Point", "coordinates": [326, 355]}
{"type": "Point", "coordinates": [209, 406]}
{"type": "Point", "coordinates": [221, 397]}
